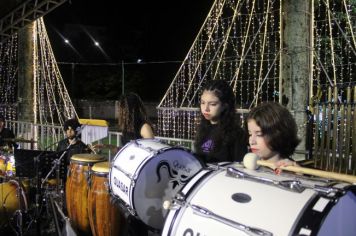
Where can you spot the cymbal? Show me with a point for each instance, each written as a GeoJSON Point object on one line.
{"type": "Point", "coordinates": [19, 140]}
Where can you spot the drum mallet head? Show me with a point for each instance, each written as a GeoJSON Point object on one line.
{"type": "Point", "coordinates": [250, 161]}
{"type": "Point", "coordinates": [166, 205]}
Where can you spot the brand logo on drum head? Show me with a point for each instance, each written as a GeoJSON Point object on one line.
{"type": "Point", "coordinates": [190, 232]}
{"type": "Point", "coordinates": [121, 186]}
{"type": "Point", "coordinates": [179, 173]}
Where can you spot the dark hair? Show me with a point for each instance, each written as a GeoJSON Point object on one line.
{"type": "Point", "coordinates": [131, 113]}
{"type": "Point", "coordinates": [278, 127]}
{"type": "Point", "coordinates": [73, 123]}
{"type": "Point", "coordinates": [229, 122]}
{"type": "Point", "coordinates": [2, 118]}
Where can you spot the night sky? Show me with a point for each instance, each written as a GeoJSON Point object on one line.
{"type": "Point", "coordinates": [158, 32]}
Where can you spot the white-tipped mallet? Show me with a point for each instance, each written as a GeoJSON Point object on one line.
{"type": "Point", "coordinates": [251, 161]}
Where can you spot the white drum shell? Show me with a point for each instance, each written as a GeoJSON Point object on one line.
{"type": "Point", "coordinates": [271, 208]}
{"type": "Point", "coordinates": [146, 172]}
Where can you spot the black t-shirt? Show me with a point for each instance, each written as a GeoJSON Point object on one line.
{"type": "Point", "coordinates": [233, 150]}
{"type": "Point", "coordinates": [6, 134]}
{"type": "Point", "coordinates": [77, 148]}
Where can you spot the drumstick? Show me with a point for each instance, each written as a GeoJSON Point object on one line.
{"type": "Point", "coordinates": [251, 162]}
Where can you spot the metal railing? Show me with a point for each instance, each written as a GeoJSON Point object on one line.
{"type": "Point", "coordinates": [46, 137]}
{"type": "Point", "coordinates": [334, 131]}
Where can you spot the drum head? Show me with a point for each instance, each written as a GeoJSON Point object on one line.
{"type": "Point", "coordinates": [101, 167]}
{"type": "Point", "coordinates": [86, 158]}
{"type": "Point", "coordinates": [341, 219]}
{"type": "Point", "coordinates": [159, 180]}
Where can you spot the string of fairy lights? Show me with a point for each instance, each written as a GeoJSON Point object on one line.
{"type": "Point", "coordinates": [240, 42]}
{"type": "Point", "coordinates": [335, 47]}
{"type": "Point", "coordinates": [52, 104]}
{"type": "Point", "coordinates": [53, 101]}
{"type": "Point", "coordinates": [8, 77]}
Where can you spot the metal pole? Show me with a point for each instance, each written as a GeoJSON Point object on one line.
{"type": "Point", "coordinates": [72, 87]}
{"type": "Point", "coordinates": [123, 77]}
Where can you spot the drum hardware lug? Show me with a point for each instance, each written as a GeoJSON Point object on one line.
{"type": "Point", "coordinates": [217, 166]}
{"type": "Point", "coordinates": [106, 185]}
{"type": "Point", "coordinates": [136, 143]}
{"type": "Point", "coordinates": [180, 197]}
{"type": "Point", "coordinates": [213, 167]}
{"type": "Point", "coordinates": [328, 190]}
{"type": "Point", "coordinates": [292, 185]}
{"type": "Point", "coordinates": [89, 182]}
{"type": "Point", "coordinates": [232, 172]}
{"type": "Point", "coordinates": [87, 175]}
{"type": "Point", "coordinates": [176, 205]}
{"type": "Point", "coordinates": [133, 183]}
{"type": "Point", "coordinates": [179, 201]}
{"type": "Point", "coordinates": [162, 150]}
{"type": "Point", "coordinates": [151, 150]}
{"type": "Point", "coordinates": [131, 211]}
{"type": "Point", "coordinates": [131, 177]}
{"type": "Point", "coordinates": [253, 231]}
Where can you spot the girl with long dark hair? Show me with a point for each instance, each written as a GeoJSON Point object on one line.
{"type": "Point", "coordinates": [219, 136]}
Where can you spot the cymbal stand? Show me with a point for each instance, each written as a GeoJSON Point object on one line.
{"type": "Point", "coordinates": [39, 186]}
{"type": "Point", "coordinates": [56, 166]}
{"type": "Point", "coordinates": [18, 212]}
{"type": "Point", "coordinates": [38, 193]}
{"type": "Point", "coordinates": [55, 217]}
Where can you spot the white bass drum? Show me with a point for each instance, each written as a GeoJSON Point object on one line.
{"type": "Point", "coordinates": [145, 173]}
{"type": "Point", "coordinates": [236, 201]}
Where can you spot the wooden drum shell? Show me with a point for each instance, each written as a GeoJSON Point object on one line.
{"type": "Point", "coordinates": [77, 188]}
{"type": "Point", "coordinates": [105, 218]}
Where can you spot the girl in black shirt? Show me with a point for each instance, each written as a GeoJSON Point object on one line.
{"type": "Point", "coordinates": [219, 136]}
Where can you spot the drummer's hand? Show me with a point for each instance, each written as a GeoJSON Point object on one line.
{"type": "Point", "coordinates": [97, 147]}
{"type": "Point", "coordinates": [284, 163]}
{"type": "Point", "coordinates": [92, 149]}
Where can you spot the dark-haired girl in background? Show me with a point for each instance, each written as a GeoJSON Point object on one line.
{"type": "Point", "coordinates": [219, 137]}
{"type": "Point", "coordinates": [133, 119]}
{"type": "Point", "coordinates": [134, 124]}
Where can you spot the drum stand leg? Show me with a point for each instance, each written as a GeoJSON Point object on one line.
{"type": "Point", "coordinates": [38, 197]}
{"type": "Point", "coordinates": [18, 212]}
{"type": "Point", "coordinates": [50, 198]}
